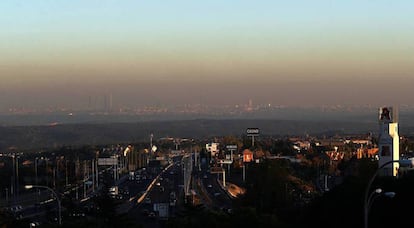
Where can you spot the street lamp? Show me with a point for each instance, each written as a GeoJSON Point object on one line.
{"type": "Point", "coordinates": [56, 196]}
{"type": "Point", "coordinates": [375, 194]}
{"type": "Point", "coordinates": [367, 198]}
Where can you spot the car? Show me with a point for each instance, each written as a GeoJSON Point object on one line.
{"type": "Point", "coordinates": [16, 208]}
{"type": "Point", "coordinates": [34, 224]}
{"type": "Point", "coordinates": [227, 210]}
{"type": "Point", "coordinates": [77, 214]}
{"type": "Point", "coordinates": [205, 176]}
{"type": "Point", "coordinates": [151, 214]}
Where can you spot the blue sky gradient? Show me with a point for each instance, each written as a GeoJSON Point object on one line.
{"type": "Point", "coordinates": [114, 46]}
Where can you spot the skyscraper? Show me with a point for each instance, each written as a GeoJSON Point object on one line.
{"type": "Point", "coordinates": [388, 141]}
{"type": "Point", "coordinates": [110, 103]}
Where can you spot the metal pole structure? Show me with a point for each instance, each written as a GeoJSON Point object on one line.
{"type": "Point", "coordinates": [87, 170]}
{"type": "Point", "coordinates": [113, 170]}
{"type": "Point", "coordinates": [371, 197]}
{"type": "Point", "coordinates": [195, 155]}
{"type": "Point", "coordinates": [56, 196]}
{"type": "Point", "coordinates": [77, 192]}
{"type": "Point", "coordinates": [244, 172]}
{"type": "Point", "coordinates": [117, 168]}
{"type": "Point", "coordinates": [54, 177]}
{"type": "Point", "coordinates": [17, 177]}
{"type": "Point", "coordinates": [122, 163]}
{"type": "Point", "coordinates": [150, 152]}
{"type": "Point", "coordinates": [36, 171]}
{"type": "Point", "coordinates": [84, 179]}
{"type": "Point", "coordinates": [366, 198]}
{"type": "Point", "coordinates": [252, 140]}
{"type": "Point", "coordinates": [13, 184]}
{"type": "Point", "coordinates": [47, 171]}
{"type": "Point", "coordinates": [93, 175]}
{"type": "Point", "coordinates": [231, 158]}
{"type": "Point", "coordinates": [66, 171]}
{"type": "Point", "coordinates": [11, 187]}
{"type": "Point", "coordinates": [224, 178]}
{"type": "Point", "coordinates": [185, 189]}
{"type": "Point", "coordinates": [97, 174]}
{"type": "Point", "coordinates": [199, 161]}
{"type": "Point", "coordinates": [84, 189]}
{"type": "Point", "coordinates": [57, 173]}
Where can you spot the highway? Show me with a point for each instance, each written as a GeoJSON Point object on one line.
{"type": "Point", "coordinates": [169, 181]}
{"type": "Point", "coordinates": [211, 182]}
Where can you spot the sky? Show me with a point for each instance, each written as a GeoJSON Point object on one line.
{"type": "Point", "coordinates": [297, 52]}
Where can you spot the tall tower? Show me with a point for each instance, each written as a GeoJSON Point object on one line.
{"type": "Point", "coordinates": [250, 105]}
{"type": "Point", "coordinates": [388, 141]}
{"type": "Point", "coordinates": [110, 103]}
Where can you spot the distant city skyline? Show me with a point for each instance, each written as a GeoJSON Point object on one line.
{"type": "Point", "coordinates": [60, 53]}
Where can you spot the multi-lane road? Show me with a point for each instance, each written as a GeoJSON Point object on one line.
{"type": "Point", "coordinates": [159, 197]}
{"type": "Point", "coordinates": [162, 196]}
{"type": "Point", "coordinates": [152, 195]}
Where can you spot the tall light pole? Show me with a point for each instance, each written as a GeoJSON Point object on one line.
{"type": "Point", "coordinates": [375, 194]}
{"type": "Point", "coordinates": [150, 149]}
{"type": "Point", "coordinates": [36, 170]}
{"type": "Point", "coordinates": [367, 197]}
{"type": "Point", "coordinates": [17, 176]}
{"type": "Point", "coordinates": [56, 196]}
{"type": "Point", "coordinates": [93, 174]}
{"type": "Point", "coordinates": [7, 195]}
{"type": "Point", "coordinates": [14, 187]}
{"type": "Point", "coordinates": [13, 184]}
{"type": "Point", "coordinates": [66, 172]}
{"type": "Point", "coordinates": [244, 171]}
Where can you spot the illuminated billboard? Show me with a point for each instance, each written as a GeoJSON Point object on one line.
{"type": "Point", "coordinates": [247, 156]}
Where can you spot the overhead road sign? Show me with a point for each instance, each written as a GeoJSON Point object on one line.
{"type": "Point", "coordinates": [107, 161]}
{"type": "Point", "coordinates": [225, 161]}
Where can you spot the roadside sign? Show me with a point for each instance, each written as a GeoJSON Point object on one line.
{"type": "Point", "coordinates": [247, 156]}
{"type": "Point", "coordinates": [107, 161]}
{"type": "Point", "coordinates": [252, 131]}
{"type": "Point", "coordinates": [231, 147]}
